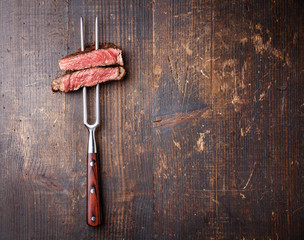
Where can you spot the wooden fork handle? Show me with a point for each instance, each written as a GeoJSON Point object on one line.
{"type": "Point", "coordinates": [93, 194]}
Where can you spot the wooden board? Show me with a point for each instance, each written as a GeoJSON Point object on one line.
{"type": "Point", "coordinates": [202, 140]}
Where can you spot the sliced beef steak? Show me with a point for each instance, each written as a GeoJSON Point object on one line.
{"type": "Point", "coordinates": [87, 77]}
{"type": "Point", "coordinates": [105, 56]}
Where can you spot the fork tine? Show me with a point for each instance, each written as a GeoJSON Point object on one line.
{"type": "Point", "coordinates": [85, 115]}
{"type": "Point", "coordinates": [81, 34]}
{"type": "Point", "coordinates": [97, 105]}
{"type": "Point", "coordinates": [97, 87]}
{"type": "Point", "coordinates": [84, 91]}
{"type": "Point", "coordinates": [96, 33]}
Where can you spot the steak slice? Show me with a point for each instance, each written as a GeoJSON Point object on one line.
{"type": "Point", "coordinates": [87, 77]}
{"type": "Point", "coordinates": [107, 55]}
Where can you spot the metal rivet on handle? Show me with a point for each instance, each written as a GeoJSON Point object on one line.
{"type": "Point", "coordinates": [92, 190]}
{"type": "Point", "coordinates": [92, 164]}
{"type": "Point", "coordinates": [93, 218]}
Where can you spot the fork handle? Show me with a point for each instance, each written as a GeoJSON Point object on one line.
{"type": "Point", "coordinates": [93, 194]}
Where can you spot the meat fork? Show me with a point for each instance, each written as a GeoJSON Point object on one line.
{"type": "Point", "coordinates": [93, 194]}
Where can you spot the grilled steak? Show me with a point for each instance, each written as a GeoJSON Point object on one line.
{"type": "Point", "coordinates": [105, 56]}
{"type": "Point", "coordinates": [87, 77]}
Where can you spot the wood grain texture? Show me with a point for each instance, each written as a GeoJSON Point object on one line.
{"type": "Point", "coordinates": [183, 164]}
{"type": "Point", "coordinates": [203, 139]}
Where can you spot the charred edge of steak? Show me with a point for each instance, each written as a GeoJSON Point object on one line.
{"type": "Point", "coordinates": [56, 84]}
{"type": "Point", "coordinates": [90, 48]}
{"type": "Point", "coordinates": [122, 73]}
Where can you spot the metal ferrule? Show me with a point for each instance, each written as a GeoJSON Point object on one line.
{"type": "Point", "coordinates": [92, 142]}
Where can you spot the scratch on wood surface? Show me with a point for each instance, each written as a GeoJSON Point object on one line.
{"type": "Point", "coordinates": [262, 95]}
{"type": "Point", "coordinates": [163, 166]}
{"type": "Point", "coordinates": [236, 101]}
{"type": "Point", "coordinates": [283, 103]}
{"type": "Point", "coordinates": [244, 40]}
{"type": "Point", "coordinates": [184, 90]}
{"type": "Point", "coordinates": [177, 144]}
{"type": "Point", "coordinates": [201, 141]}
{"type": "Point", "coordinates": [235, 88]}
{"type": "Point", "coordinates": [50, 182]}
{"type": "Point", "coordinates": [246, 131]}
{"type": "Point", "coordinates": [204, 74]}
{"type": "Point", "coordinates": [242, 196]}
{"type": "Point", "coordinates": [182, 14]}
{"type": "Point", "coordinates": [250, 176]}
{"type": "Point", "coordinates": [157, 70]}
{"type": "Point", "coordinates": [179, 76]}
{"type": "Point", "coordinates": [227, 190]}
{"type": "Point", "coordinates": [262, 47]}
{"type": "Point", "coordinates": [173, 71]}
{"type": "Point", "coordinates": [28, 53]}
{"type": "Point", "coordinates": [178, 118]}
{"type": "Point", "coordinates": [187, 48]}
{"type": "Point", "coordinates": [243, 71]}
{"type": "Point", "coordinates": [298, 209]}
{"type": "Point", "coordinates": [31, 84]}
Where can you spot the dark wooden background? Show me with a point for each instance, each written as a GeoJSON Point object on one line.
{"type": "Point", "coordinates": [202, 140]}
